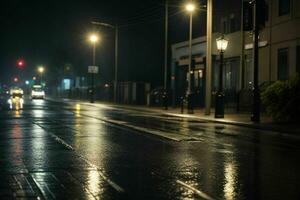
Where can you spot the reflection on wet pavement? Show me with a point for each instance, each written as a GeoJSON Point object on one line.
{"type": "Point", "coordinates": [58, 151]}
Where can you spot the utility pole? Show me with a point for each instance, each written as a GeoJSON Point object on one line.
{"type": "Point", "coordinates": [190, 101]}
{"type": "Point", "coordinates": [116, 28]}
{"type": "Point", "coordinates": [166, 95]}
{"type": "Point", "coordinates": [256, 93]}
{"type": "Point", "coordinates": [116, 62]}
{"type": "Point", "coordinates": [208, 57]}
{"type": "Point", "coordinates": [166, 45]}
{"type": "Point", "coordinates": [242, 58]}
{"type": "Point", "coordinates": [93, 75]}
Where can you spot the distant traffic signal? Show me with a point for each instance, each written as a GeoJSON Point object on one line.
{"type": "Point", "coordinates": [16, 79]}
{"type": "Point", "coordinates": [20, 64]}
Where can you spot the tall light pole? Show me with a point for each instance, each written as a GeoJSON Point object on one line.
{"type": "Point", "coordinates": [190, 8]}
{"type": "Point", "coordinates": [116, 28]}
{"type": "Point", "coordinates": [166, 55]}
{"type": "Point", "coordinates": [256, 93]}
{"type": "Point", "coordinates": [208, 57]}
{"type": "Point", "coordinates": [222, 44]}
{"type": "Point", "coordinates": [41, 70]}
{"type": "Point", "coordinates": [93, 39]}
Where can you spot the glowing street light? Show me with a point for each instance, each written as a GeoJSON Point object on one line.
{"type": "Point", "coordinates": [94, 38]}
{"type": "Point", "coordinates": [190, 8]}
{"type": "Point", "coordinates": [116, 29]}
{"type": "Point", "coordinates": [41, 70]}
{"type": "Point", "coordinates": [222, 44]}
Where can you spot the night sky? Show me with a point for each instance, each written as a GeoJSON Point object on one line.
{"type": "Point", "coordinates": [54, 34]}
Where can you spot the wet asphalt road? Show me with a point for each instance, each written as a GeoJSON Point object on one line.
{"type": "Point", "coordinates": [51, 150]}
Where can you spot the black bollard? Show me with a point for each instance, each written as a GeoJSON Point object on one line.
{"type": "Point", "coordinates": [182, 104]}
{"type": "Point", "coordinates": [165, 100]}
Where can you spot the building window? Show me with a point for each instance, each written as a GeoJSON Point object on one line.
{"type": "Point", "coordinates": [224, 26]}
{"type": "Point", "coordinates": [282, 64]}
{"type": "Point", "coordinates": [298, 60]}
{"type": "Point", "coordinates": [232, 25]}
{"type": "Point", "coordinates": [284, 7]}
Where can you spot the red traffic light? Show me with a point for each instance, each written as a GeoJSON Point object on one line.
{"type": "Point", "coordinates": [20, 64]}
{"type": "Point", "coordinates": [16, 79]}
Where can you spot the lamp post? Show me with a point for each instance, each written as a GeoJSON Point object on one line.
{"type": "Point", "coordinates": [222, 44]}
{"type": "Point", "coordinates": [93, 39]}
{"type": "Point", "coordinates": [208, 69]}
{"type": "Point", "coordinates": [166, 98]}
{"type": "Point", "coordinates": [256, 93]}
{"type": "Point", "coordinates": [41, 70]}
{"type": "Point", "coordinates": [190, 8]}
{"type": "Point", "coordinates": [116, 28]}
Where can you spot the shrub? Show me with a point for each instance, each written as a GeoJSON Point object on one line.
{"type": "Point", "coordinates": [282, 100]}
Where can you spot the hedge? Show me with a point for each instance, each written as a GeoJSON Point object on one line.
{"type": "Point", "coordinates": [282, 100]}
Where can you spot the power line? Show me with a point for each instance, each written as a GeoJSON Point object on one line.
{"type": "Point", "coordinates": [151, 21]}
{"type": "Point", "coordinates": [145, 13]}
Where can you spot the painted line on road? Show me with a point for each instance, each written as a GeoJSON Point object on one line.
{"type": "Point", "coordinates": [105, 178]}
{"type": "Point", "coordinates": [113, 184]}
{"type": "Point", "coordinates": [157, 133]}
{"type": "Point", "coordinates": [127, 126]}
{"type": "Point", "coordinates": [198, 192]}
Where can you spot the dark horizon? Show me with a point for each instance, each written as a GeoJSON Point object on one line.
{"type": "Point", "coordinates": [54, 33]}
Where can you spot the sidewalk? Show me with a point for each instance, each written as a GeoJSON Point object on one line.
{"type": "Point", "coordinates": [231, 118]}
{"type": "Point", "coordinates": [239, 119]}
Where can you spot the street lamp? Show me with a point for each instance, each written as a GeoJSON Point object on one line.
{"type": "Point", "coordinates": [41, 70]}
{"type": "Point", "coordinates": [190, 8]}
{"type": "Point", "coordinates": [116, 28]}
{"type": "Point", "coordinates": [222, 44]}
{"type": "Point", "coordinates": [94, 40]}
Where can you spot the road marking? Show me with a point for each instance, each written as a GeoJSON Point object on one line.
{"type": "Point", "coordinates": [42, 187]}
{"type": "Point", "coordinates": [158, 133]}
{"type": "Point", "coordinates": [105, 178]}
{"type": "Point", "coordinates": [198, 192]}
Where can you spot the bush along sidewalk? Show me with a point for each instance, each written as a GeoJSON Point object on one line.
{"type": "Point", "coordinates": [282, 100]}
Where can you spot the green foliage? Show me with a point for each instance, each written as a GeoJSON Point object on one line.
{"type": "Point", "coordinates": [282, 100]}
